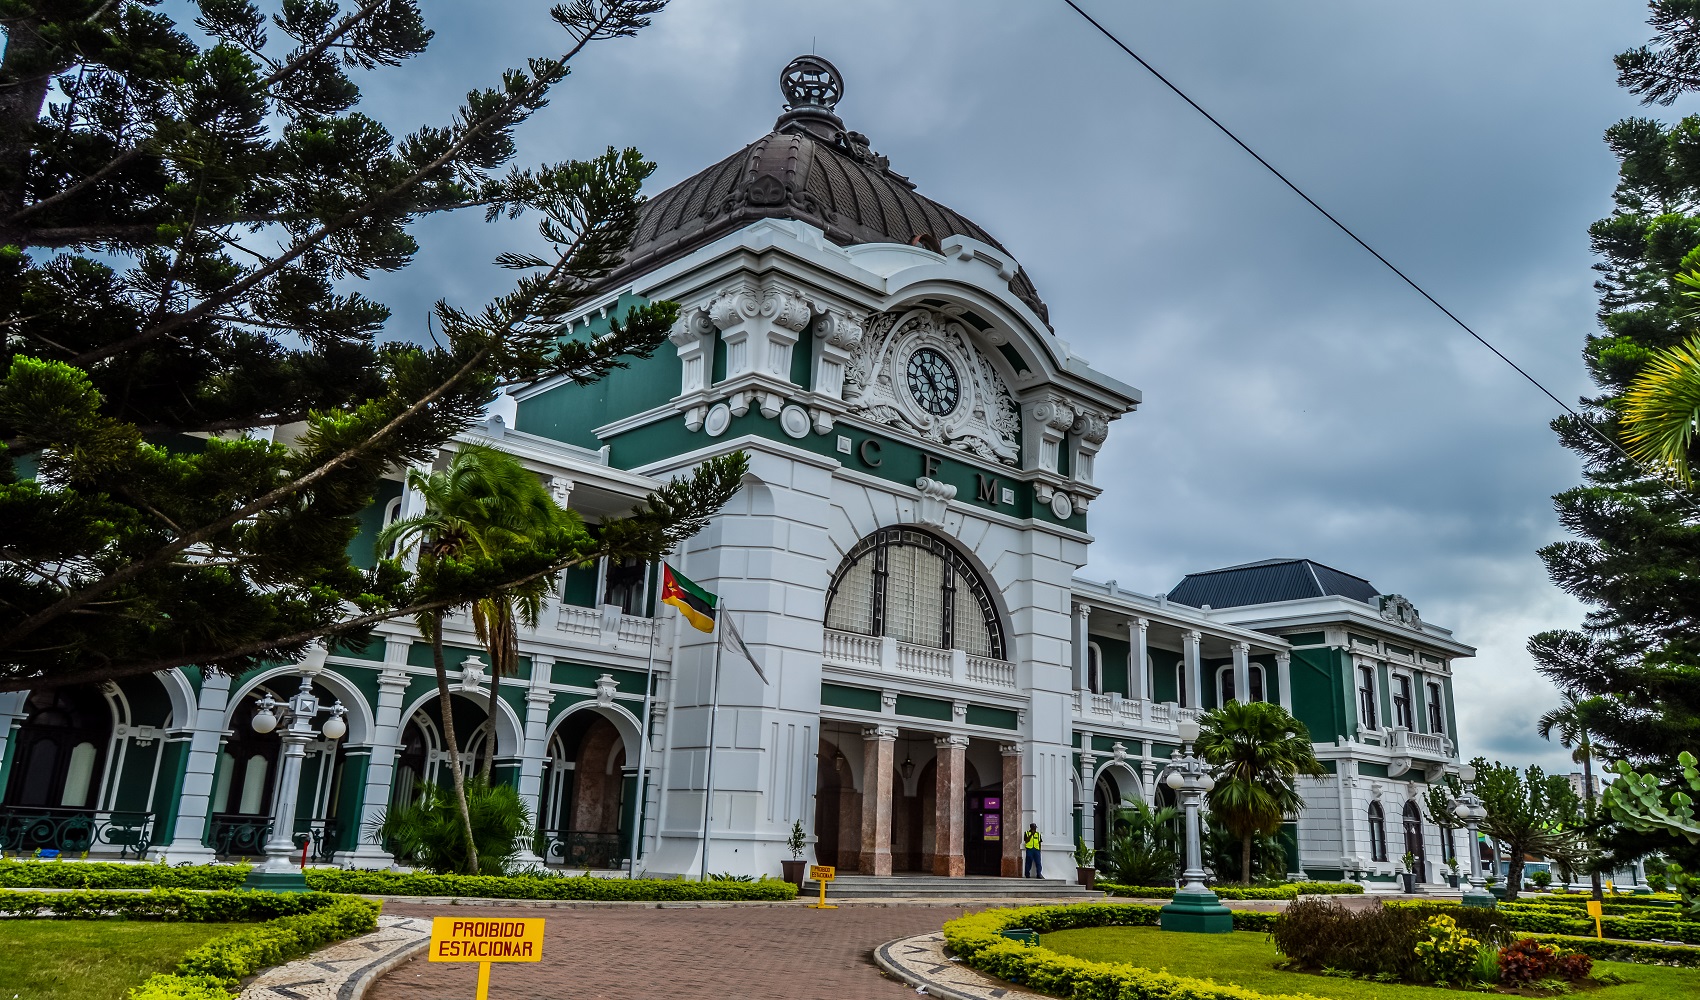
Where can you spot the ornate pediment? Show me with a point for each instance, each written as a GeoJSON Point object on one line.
{"type": "Point", "coordinates": [918, 371]}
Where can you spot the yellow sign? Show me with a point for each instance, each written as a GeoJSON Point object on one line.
{"type": "Point", "coordinates": [822, 874]}
{"type": "Point", "coordinates": [1596, 910]}
{"type": "Point", "coordinates": [462, 939]}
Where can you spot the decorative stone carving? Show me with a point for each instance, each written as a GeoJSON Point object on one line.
{"type": "Point", "coordinates": [984, 422]}
{"type": "Point", "coordinates": [935, 498]}
{"type": "Point", "coordinates": [1090, 429]}
{"type": "Point", "coordinates": [718, 419]}
{"type": "Point", "coordinates": [561, 490]}
{"type": "Point", "coordinates": [837, 335]}
{"type": "Point", "coordinates": [1395, 608]}
{"type": "Point", "coordinates": [605, 686]}
{"type": "Point", "coordinates": [693, 335]}
{"type": "Point", "coordinates": [760, 322]}
{"type": "Point", "coordinates": [887, 733]}
{"type": "Point", "coordinates": [946, 742]}
{"type": "Point", "coordinates": [794, 421]}
{"type": "Point", "coordinates": [959, 710]}
{"type": "Point", "coordinates": [472, 672]}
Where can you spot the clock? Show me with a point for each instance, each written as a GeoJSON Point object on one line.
{"type": "Point", "coordinates": [933, 382]}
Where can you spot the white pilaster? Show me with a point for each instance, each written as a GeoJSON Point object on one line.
{"type": "Point", "coordinates": [1242, 671]}
{"type": "Point", "coordinates": [1138, 682]}
{"type": "Point", "coordinates": [195, 802]}
{"type": "Point", "coordinates": [380, 773]}
{"type": "Point", "coordinates": [1284, 677]}
{"type": "Point", "coordinates": [1082, 615]}
{"type": "Point", "coordinates": [1194, 669]}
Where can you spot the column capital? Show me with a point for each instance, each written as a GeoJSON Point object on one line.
{"type": "Point", "coordinates": [541, 697]}
{"type": "Point", "coordinates": [1144, 624]}
{"type": "Point", "coordinates": [1082, 610]}
{"type": "Point", "coordinates": [1194, 636]}
{"type": "Point", "coordinates": [950, 741]}
{"type": "Point", "coordinates": [1087, 759]}
{"type": "Point", "coordinates": [393, 678]}
{"type": "Point", "coordinates": [1242, 647]}
{"type": "Point", "coordinates": [885, 733]}
{"type": "Point", "coordinates": [1010, 749]}
{"type": "Point", "coordinates": [1283, 657]}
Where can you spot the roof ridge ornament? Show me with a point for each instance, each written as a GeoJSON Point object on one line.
{"type": "Point", "coordinates": [812, 87]}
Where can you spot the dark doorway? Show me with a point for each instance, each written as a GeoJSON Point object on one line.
{"type": "Point", "coordinates": [982, 842]}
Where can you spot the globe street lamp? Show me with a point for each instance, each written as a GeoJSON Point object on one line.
{"type": "Point", "coordinates": [293, 720]}
{"type": "Point", "coordinates": [1468, 808]}
{"type": "Point", "coordinates": [1195, 908]}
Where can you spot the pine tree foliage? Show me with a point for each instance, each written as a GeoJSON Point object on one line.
{"type": "Point", "coordinates": [1635, 554]}
{"type": "Point", "coordinates": [195, 398]}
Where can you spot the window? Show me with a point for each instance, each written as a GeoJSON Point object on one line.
{"type": "Point", "coordinates": [1377, 833]}
{"type": "Point", "coordinates": [1402, 702]}
{"type": "Point", "coordinates": [1366, 697]}
{"type": "Point", "coordinates": [911, 586]}
{"type": "Point", "coordinates": [1225, 684]}
{"type": "Point", "coordinates": [1414, 839]}
{"type": "Point", "coordinates": [1448, 847]}
{"type": "Point", "coordinates": [1094, 669]}
{"type": "Point", "coordinates": [1180, 682]}
{"type": "Point", "coordinates": [624, 584]}
{"type": "Point", "coordinates": [1436, 711]}
{"type": "Point", "coordinates": [1256, 683]}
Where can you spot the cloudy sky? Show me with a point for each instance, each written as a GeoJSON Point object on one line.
{"type": "Point", "coordinates": [1299, 401]}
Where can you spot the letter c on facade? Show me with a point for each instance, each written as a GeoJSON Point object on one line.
{"type": "Point", "coordinates": [870, 453]}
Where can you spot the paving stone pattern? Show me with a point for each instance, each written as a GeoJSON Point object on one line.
{"type": "Point", "coordinates": [921, 961]}
{"type": "Point", "coordinates": [683, 953]}
{"type": "Point", "coordinates": [339, 971]}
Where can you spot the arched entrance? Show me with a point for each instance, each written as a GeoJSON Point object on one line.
{"type": "Point", "coordinates": [246, 780]}
{"type": "Point", "coordinates": [838, 809]}
{"type": "Point", "coordinates": [588, 795]}
{"type": "Point", "coordinates": [1413, 822]}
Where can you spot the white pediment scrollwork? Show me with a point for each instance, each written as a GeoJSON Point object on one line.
{"type": "Point", "coordinates": [985, 422]}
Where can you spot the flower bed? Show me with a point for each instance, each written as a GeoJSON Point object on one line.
{"type": "Point", "coordinates": [977, 939]}
{"type": "Point", "coordinates": [1291, 890]}
{"type": "Point", "coordinates": [527, 887]}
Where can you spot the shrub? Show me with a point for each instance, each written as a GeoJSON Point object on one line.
{"type": "Point", "coordinates": [1524, 961]}
{"type": "Point", "coordinates": [211, 971]}
{"type": "Point", "coordinates": [429, 833]}
{"type": "Point", "coordinates": [107, 875]}
{"type": "Point", "coordinates": [1291, 890]}
{"type": "Point", "coordinates": [1626, 951]}
{"type": "Point", "coordinates": [1444, 953]}
{"type": "Point", "coordinates": [1486, 968]}
{"type": "Point", "coordinates": [1574, 966]}
{"type": "Point", "coordinates": [162, 904]}
{"type": "Point", "coordinates": [1317, 933]}
{"type": "Point", "coordinates": [1144, 846]}
{"type": "Point", "coordinates": [373, 883]}
{"type": "Point", "coordinates": [169, 986]}
{"type": "Point", "coordinates": [1541, 878]}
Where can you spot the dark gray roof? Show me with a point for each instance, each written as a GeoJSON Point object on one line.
{"type": "Point", "coordinates": [1267, 581]}
{"type": "Point", "coordinates": [810, 169]}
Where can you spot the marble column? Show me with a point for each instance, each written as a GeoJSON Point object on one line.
{"type": "Point", "coordinates": [1139, 684]}
{"type": "Point", "coordinates": [195, 799]}
{"type": "Point", "coordinates": [380, 773]}
{"type": "Point", "coordinates": [951, 790]}
{"type": "Point", "coordinates": [1284, 677]}
{"type": "Point", "coordinates": [1242, 671]}
{"type": "Point", "coordinates": [1194, 670]}
{"type": "Point", "coordinates": [879, 744]}
{"type": "Point", "coordinates": [1010, 845]}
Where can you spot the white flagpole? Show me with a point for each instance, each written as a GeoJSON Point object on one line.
{"type": "Point", "coordinates": [708, 776]}
{"type": "Point", "coordinates": [643, 737]}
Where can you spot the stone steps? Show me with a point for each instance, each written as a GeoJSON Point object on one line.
{"type": "Point", "coordinates": [935, 887]}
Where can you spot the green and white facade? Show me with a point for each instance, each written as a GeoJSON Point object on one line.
{"type": "Point", "coordinates": [902, 561]}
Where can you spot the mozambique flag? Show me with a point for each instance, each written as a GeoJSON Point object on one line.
{"type": "Point", "coordinates": [695, 603]}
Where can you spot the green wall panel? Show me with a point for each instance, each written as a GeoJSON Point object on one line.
{"type": "Point", "coordinates": [860, 699]}
{"type": "Point", "coordinates": [1115, 653]}
{"type": "Point", "coordinates": [1318, 697]}
{"type": "Point", "coordinates": [570, 413]}
{"type": "Point", "coordinates": [1164, 684]}
{"type": "Point", "coordinates": [995, 718]}
{"type": "Point", "coordinates": [363, 547]}
{"type": "Point", "coordinates": [923, 708]}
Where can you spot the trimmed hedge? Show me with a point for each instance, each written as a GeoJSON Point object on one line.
{"type": "Point", "coordinates": [372, 883]}
{"type": "Point", "coordinates": [1291, 890]}
{"type": "Point", "coordinates": [221, 906]}
{"type": "Point", "coordinates": [211, 971]}
{"type": "Point", "coordinates": [1625, 951]}
{"type": "Point", "coordinates": [108, 875]}
{"type": "Point", "coordinates": [977, 940]}
{"type": "Point", "coordinates": [1555, 920]}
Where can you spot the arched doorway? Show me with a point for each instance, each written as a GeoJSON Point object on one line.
{"type": "Point", "coordinates": [246, 780]}
{"type": "Point", "coordinates": [587, 795]}
{"type": "Point", "coordinates": [59, 757]}
{"type": "Point", "coordinates": [1413, 821]}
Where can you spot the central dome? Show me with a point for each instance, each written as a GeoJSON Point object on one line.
{"type": "Point", "coordinates": [811, 169]}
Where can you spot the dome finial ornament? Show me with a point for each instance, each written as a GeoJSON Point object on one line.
{"type": "Point", "coordinates": [811, 82]}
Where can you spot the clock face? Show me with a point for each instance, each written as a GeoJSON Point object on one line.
{"type": "Point", "coordinates": [933, 382]}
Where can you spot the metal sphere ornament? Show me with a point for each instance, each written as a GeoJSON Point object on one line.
{"type": "Point", "coordinates": [811, 82]}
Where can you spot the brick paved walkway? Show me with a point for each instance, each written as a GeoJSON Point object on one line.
{"type": "Point", "coordinates": [759, 953]}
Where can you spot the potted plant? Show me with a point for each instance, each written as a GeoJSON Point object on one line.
{"type": "Point", "coordinates": [1452, 873]}
{"type": "Point", "coordinates": [1408, 872]}
{"type": "Point", "coordinates": [793, 867]}
{"type": "Point", "coordinates": [1083, 869]}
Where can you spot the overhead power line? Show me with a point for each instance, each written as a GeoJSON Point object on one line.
{"type": "Point", "coordinates": [1312, 202]}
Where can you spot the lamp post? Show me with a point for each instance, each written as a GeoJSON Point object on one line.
{"type": "Point", "coordinates": [1468, 808]}
{"type": "Point", "coordinates": [281, 872]}
{"type": "Point", "coordinates": [1195, 908]}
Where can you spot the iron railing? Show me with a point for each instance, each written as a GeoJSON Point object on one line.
{"type": "Point", "coordinates": [246, 836]}
{"type": "Point", "coordinates": [581, 849]}
{"type": "Point", "coordinates": [74, 831]}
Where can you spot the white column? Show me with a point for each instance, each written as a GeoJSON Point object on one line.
{"type": "Point", "coordinates": [1194, 669]}
{"type": "Point", "coordinates": [1082, 614]}
{"type": "Point", "coordinates": [13, 711]}
{"type": "Point", "coordinates": [1089, 796]}
{"type": "Point", "coordinates": [1242, 671]}
{"type": "Point", "coordinates": [534, 749]}
{"type": "Point", "coordinates": [1284, 677]}
{"type": "Point", "coordinates": [1138, 682]}
{"type": "Point", "coordinates": [380, 773]}
{"type": "Point", "coordinates": [195, 802]}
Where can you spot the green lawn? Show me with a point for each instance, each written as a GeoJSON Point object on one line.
{"type": "Point", "coordinates": [92, 959]}
{"type": "Point", "coordinates": [1248, 959]}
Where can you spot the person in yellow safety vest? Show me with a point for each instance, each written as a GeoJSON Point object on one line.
{"type": "Point", "coordinates": [1030, 845]}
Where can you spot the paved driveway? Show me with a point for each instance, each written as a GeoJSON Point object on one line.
{"type": "Point", "coordinates": [620, 953]}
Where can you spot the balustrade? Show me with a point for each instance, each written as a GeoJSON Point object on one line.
{"type": "Point", "coordinates": [75, 831]}
{"type": "Point", "coordinates": [871, 653]}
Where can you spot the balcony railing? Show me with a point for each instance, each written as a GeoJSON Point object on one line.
{"type": "Point", "coordinates": [74, 831]}
{"type": "Point", "coordinates": [605, 626]}
{"type": "Point", "coordinates": [887, 655]}
{"type": "Point", "coordinates": [1115, 709]}
{"type": "Point", "coordinates": [581, 849]}
{"type": "Point", "coordinates": [1424, 745]}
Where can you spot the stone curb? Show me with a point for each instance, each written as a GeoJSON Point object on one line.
{"type": "Point", "coordinates": [955, 903]}
{"type": "Point", "coordinates": [346, 969]}
{"type": "Point", "coordinates": [920, 962]}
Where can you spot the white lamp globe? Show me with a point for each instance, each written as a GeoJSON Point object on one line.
{"type": "Point", "coordinates": [264, 721]}
{"type": "Point", "coordinates": [1206, 782]}
{"type": "Point", "coordinates": [1174, 780]}
{"type": "Point", "coordinates": [335, 728]}
{"type": "Point", "coordinates": [1187, 730]}
{"type": "Point", "coordinates": [1467, 773]}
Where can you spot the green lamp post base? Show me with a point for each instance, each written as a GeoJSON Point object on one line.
{"type": "Point", "coordinates": [275, 881]}
{"type": "Point", "coordinates": [1196, 913]}
{"type": "Point", "coordinates": [1479, 899]}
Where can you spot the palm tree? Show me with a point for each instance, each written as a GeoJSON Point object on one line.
{"type": "Point", "coordinates": [1661, 410]}
{"type": "Point", "coordinates": [484, 504]}
{"type": "Point", "coordinates": [1258, 750]}
{"type": "Point", "coordinates": [1568, 720]}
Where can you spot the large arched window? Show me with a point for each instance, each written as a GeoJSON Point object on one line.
{"type": "Point", "coordinates": [913, 587]}
{"type": "Point", "coordinates": [1377, 833]}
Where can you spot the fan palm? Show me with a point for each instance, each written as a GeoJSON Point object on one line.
{"type": "Point", "coordinates": [482, 505]}
{"type": "Point", "coordinates": [1662, 409]}
{"type": "Point", "coordinates": [1569, 722]}
{"type": "Point", "coordinates": [1258, 751]}
{"type": "Point", "coordinates": [1142, 849]}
